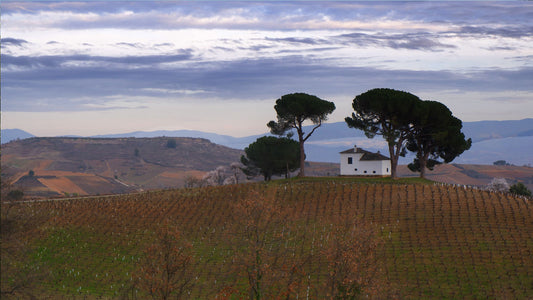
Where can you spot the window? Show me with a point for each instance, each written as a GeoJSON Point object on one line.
{"type": "Point", "coordinates": [364, 172]}
{"type": "Point", "coordinates": [374, 172]}
{"type": "Point", "coordinates": [387, 169]}
{"type": "Point", "coordinates": [350, 160]}
{"type": "Point", "coordinates": [355, 169]}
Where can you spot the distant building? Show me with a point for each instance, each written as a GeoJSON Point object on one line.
{"type": "Point", "coordinates": [356, 161]}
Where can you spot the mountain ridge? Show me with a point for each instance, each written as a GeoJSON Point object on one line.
{"type": "Point", "coordinates": [492, 140]}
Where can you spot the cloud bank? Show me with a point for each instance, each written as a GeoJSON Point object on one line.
{"type": "Point", "coordinates": [152, 56]}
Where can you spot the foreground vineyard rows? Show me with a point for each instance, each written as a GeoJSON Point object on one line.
{"type": "Point", "coordinates": [435, 241]}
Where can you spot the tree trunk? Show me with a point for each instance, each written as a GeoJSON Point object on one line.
{"type": "Point", "coordinates": [422, 161]}
{"type": "Point", "coordinates": [393, 162]}
{"type": "Point", "coordinates": [302, 154]}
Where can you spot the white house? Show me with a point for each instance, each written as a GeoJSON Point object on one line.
{"type": "Point", "coordinates": [356, 161]}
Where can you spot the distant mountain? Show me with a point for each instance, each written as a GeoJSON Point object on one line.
{"type": "Point", "coordinates": [509, 140]}
{"type": "Point", "coordinates": [489, 130]}
{"type": "Point", "coordinates": [9, 135]}
{"type": "Point", "coordinates": [515, 150]}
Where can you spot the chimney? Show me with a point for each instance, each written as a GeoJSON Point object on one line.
{"type": "Point", "coordinates": [355, 148]}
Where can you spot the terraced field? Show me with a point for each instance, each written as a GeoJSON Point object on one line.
{"type": "Point", "coordinates": [431, 241]}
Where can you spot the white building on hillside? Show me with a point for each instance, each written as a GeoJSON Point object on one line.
{"type": "Point", "coordinates": [356, 161]}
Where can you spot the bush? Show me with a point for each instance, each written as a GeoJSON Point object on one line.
{"type": "Point", "coordinates": [498, 185]}
{"type": "Point", "coordinates": [500, 163]}
{"type": "Point", "coordinates": [15, 195]}
{"type": "Point", "coordinates": [171, 143]}
{"type": "Point", "coordinates": [520, 189]}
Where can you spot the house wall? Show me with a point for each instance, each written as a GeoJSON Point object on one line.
{"type": "Point", "coordinates": [372, 167]}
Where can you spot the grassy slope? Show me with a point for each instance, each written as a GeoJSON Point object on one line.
{"type": "Point", "coordinates": [440, 241]}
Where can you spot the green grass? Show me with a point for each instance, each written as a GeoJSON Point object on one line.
{"type": "Point", "coordinates": [82, 261]}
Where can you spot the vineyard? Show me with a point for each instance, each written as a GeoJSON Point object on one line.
{"type": "Point", "coordinates": [291, 239]}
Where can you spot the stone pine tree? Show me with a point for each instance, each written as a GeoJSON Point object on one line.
{"type": "Point", "coordinates": [389, 113]}
{"type": "Point", "coordinates": [293, 110]}
{"type": "Point", "coordinates": [436, 137]}
{"type": "Point", "coordinates": [270, 156]}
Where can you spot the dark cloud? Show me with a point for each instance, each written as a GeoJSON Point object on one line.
{"type": "Point", "coordinates": [501, 48]}
{"type": "Point", "coordinates": [294, 40]}
{"type": "Point", "coordinates": [164, 45]}
{"type": "Point", "coordinates": [525, 58]}
{"type": "Point", "coordinates": [132, 45]}
{"type": "Point", "coordinates": [255, 48]}
{"type": "Point", "coordinates": [318, 49]}
{"type": "Point", "coordinates": [52, 61]}
{"type": "Point", "coordinates": [12, 42]}
{"type": "Point", "coordinates": [507, 31]}
{"type": "Point", "coordinates": [411, 41]}
{"type": "Point", "coordinates": [48, 78]}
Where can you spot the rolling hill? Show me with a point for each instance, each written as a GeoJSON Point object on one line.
{"type": "Point", "coordinates": [88, 166]}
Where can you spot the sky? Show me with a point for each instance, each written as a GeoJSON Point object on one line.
{"type": "Point", "coordinates": [102, 67]}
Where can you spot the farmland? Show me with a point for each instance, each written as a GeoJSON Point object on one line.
{"type": "Point", "coordinates": [431, 241]}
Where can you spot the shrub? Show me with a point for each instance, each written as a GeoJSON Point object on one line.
{"type": "Point", "coordinates": [171, 144]}
{"type": "Point", "coordinates": [498, 185]}
{"type": "Point", "coordinates": [520, 189]}
{"type": "Point", "coordinates": [15, 195]}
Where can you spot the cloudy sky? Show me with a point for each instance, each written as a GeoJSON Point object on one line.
{"type": "Point", "coordinates": [88, 68]}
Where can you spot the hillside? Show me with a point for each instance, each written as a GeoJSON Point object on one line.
{"type": "Point", "coordinates": [100, 166]}
{"type": "Point", "coordinates": [436, 241]}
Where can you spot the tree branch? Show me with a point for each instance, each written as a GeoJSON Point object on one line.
{"type": "Point", "coordinates": [314, 128]}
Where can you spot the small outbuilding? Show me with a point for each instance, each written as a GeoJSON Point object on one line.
{"type": "Point", "coordinates": [356, 161]}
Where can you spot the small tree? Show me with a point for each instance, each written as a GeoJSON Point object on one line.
{"type": "Point", "coordinates": [171, 143]}
{"type": "Point", "coordinates": [236, 172]}
{"type": "Point", "coordinates": [520, 189]}
{"type": "Point", "coordinates": [167, 268]}
{"type": "Point", "coordinates": [271, 156]}
{"type": "Point", "coordinates": [353, 265]}
{"type": "Point", "coordinates": [500, 163]}
{"type": "Point", "coordinates": [216, 177]}
{"type": "Point", "coordinates": [293, 110]}
{"type": "Point", "coordinates": [267, 248]}
{"type": "Point", "coordinates": [498, 185]}
{"type": "Point", "coordinates": [192, 181]}
{"type": "Point", "coordinates": [15, 195]}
